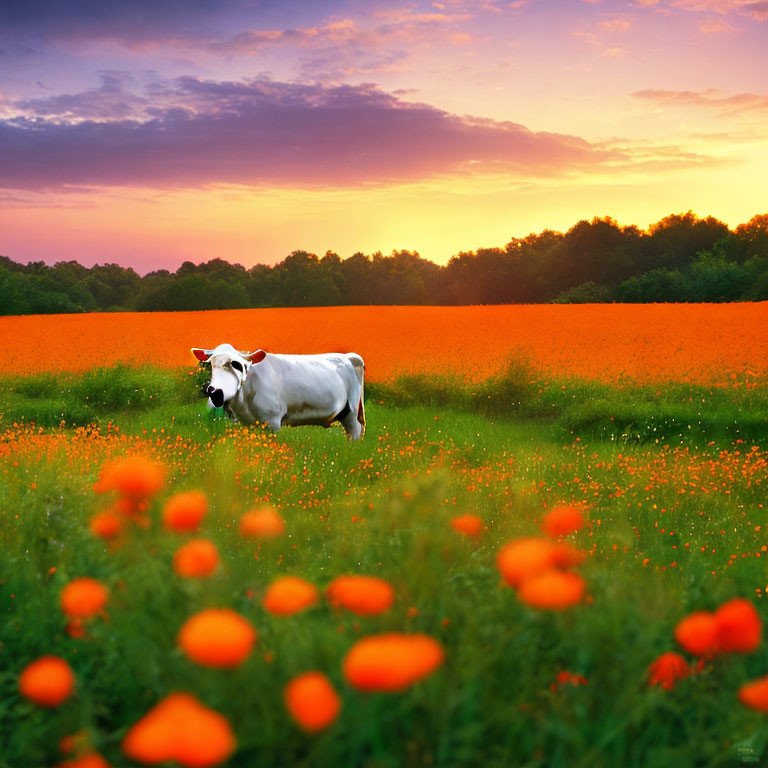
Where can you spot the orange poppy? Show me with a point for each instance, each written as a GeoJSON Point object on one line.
{"type": "Point", "coordinates": [89, 760]}
{"type": "Point", "coordinates": [363, 595]}
{"type": "Point", "coordinates": [261, 523]}
{"type": "Point", "coordinates": [185, 511]}
{"type": "Point", "coordinates": [84, 597]}
{"type": "Point", "coordinates": [667, 670]}
{"type": "Point", "coordinates": [134, 477]}
{"type": "Point", "coordinates": [755, 694]}
{"type": "Point", "coordinates": [391, 662]}
{"type": "Point", "coordinates": [217, 637]}
{"type": "Point", "coordinates": [106, 525]}
{"type": "Point", "coordinates": [196, 559]}
{"type": "Point", "coordinates": [565, 556]}
{"type": "Point", "coordinates": [48, 682]}
{"type": "Point", "coordinates": [288, 595]}
{"type": "Point", "coordinates": [552, 590]}
{"type": "Point", "coordinates": [181, 729]}
{"type": "Point", "coordinates": [566, 677]}
{"type": "Point", "coordinates": [697, 634]}
{"type": "Point", "coordinates": [469, 525]}
{"type": "Point", "coordinates": [312, 701]}
{"type": "Point", "coordinates": [739, 628]}
{"type": "Point", "coordinates": [560, 521]}
{"type": "Point", "coordinates": [524, 558]}
{"type": "Point", "coordinates": [75, 743]}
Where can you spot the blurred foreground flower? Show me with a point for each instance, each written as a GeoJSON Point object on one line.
{"type": "Point", "coordinates": [134, 477]}
{"type": "Point", "coordinates": [261, 523]}
{"type": "Point", "coordinates": [106, 525]}
{"type": "Point", "coordinates": [553, 590]}
{"type": "Point", "coordinates": [566, 677]}
{"type": "Point", "coordinates": [525, 558]}
{"type": "Point", "coordinates": [82, 598]}
{"type": "Point", "coordinates": [89, 760]}
{"type": "Point", "coordinates": [217, 637]}
{"type": "Point", "coordinates": [288, 595]}
{"type": "Point", "coordinates": [469, 525]}
{"type": "Point", "coordinates": [667, 670]}
{"type": "Point", "coordinates": [185, 511]}
{"type": "Point", "coordinates": [312, 701]}
{"type": "Point", "coordinates": [739, 627]}
{"type": "Point", "coordinates": [755, 694]}
{"type": "Point", "coordinates": [391, 662]}
{"type": "Point", "coordinates": [196, 559]}
{"type": "Point", "coordinates": [48, 682]}
{"type": "Point", "coordinates": [561, 521]}
{"type": "Point", "coordinates": [363, 595]}
{"type": "Point", "coordinates": [735, 627]}
{"type": "Point", "coordinates": [181, 729]}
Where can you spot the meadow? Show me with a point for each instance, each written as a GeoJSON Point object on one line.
{"type": "Point", "coordinates": [666, 466]}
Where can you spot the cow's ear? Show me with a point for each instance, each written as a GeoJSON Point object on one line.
{"type": "Point", "coordinates": [257, 356]}
{"type": "Point", "coordinates": [202, 354]}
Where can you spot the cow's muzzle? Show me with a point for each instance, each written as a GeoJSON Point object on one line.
{"type": "Point", "coordinates": [216, 396]}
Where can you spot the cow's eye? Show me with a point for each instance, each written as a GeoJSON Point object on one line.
{"type": "Point", "coordinates": [237, 366]}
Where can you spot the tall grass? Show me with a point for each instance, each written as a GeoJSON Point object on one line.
{"type": "Point", "coordinates": [626, 412]}
{"type": "Point", "coordinates": [673, 528]}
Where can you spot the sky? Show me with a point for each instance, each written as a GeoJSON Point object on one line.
{"type": "Point", "coordinates": [152, 132]}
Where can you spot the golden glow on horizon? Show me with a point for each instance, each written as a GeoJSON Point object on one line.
{"type": "Point", "coordinates": [437, 218]}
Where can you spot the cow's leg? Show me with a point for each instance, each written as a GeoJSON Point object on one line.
{"type": "Point", "coordinates": [352, 426]}
{"type": "Point", "coordinates": [275, 423]}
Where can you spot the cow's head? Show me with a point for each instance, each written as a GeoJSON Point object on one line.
{"type": "Point", "coordinates": [229, 367]}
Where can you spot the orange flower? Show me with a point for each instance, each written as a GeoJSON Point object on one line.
{"type": "Point", "coordinates": [48, 682]}
{"type": "Point", "coordinates": [524, 558]}
{"type": "Point", "coordinates": [288, 595]}
{"type": "Point", "coordinates": [552, 590]}
{"type": "Point", "coordinates": [312, 701]}
{"type": "Point", "coordinates": [755, 694]}
{"type": "Point", "coordinates": [739, 627]}
{"type": "Point", "coordinates": [469, 525]}
{"type": "Point", "coordinates": [561, 521]}
{"type": "Point", "coordinates": [565, 677]}
{"type": "Point", "coordinates": [180, 728]}
{"type": "Point", "coordinates": [697, 634]}
{"type": "Point", "coordinates": [82, 598]}
{"type": "Point", "coordinates": [106, 525]}
{"type": "Point", "coordinates": [217, 637]}
{"type": "Point", "coordinates": [391, 662]}
{"type": "Point", "coordinates": [363, 595]}
{"type": "Point", "coordinates": [261, 523]}
{"type": "Point", "coordinates": [667, 670]}
{"type": "Point", "coordinates": [565, 556]}
{"type": "Point", "coordinates": [89, 760]}
{"type": "Point", "coordinates": [185, 511]}
{"type": "Point", "coordinates": [196, 559]}
{"type": "Point", "coordinates": [134, 477]}
{"type": "Point", "coordinates": [74, 743]}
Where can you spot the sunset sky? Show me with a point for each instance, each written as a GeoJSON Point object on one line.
{"type": "Point", "coordinates": [150, 132]}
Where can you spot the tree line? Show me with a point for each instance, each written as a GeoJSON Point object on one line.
{"type": "Point", "coordinates": [680, 258]}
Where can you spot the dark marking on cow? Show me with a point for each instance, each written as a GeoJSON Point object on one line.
{"type": "Point", "coordinates": [341, 414]}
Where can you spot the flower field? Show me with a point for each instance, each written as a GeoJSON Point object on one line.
{"type": "Point", "coordinates": [520, 572]}
{"type": "Point", "coordinates": [700, 343]}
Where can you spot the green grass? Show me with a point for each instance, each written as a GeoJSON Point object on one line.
{"type": "Point", "coordinates": [505, 450]}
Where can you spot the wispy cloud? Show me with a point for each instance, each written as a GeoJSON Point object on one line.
{"type": "Point", "coordinates": [756, 10]}
{"type": "Point", "coordinates": [726, 106]}
{"type": "Point", "coordinates": [194, 133]}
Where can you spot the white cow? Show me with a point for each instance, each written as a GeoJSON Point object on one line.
{"type": "Point", "coordinates": [287, 390]}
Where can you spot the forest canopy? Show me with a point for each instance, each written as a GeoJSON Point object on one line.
{"type": "Point", "coordinates": [681, 258]}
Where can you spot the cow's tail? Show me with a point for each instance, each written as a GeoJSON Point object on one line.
{"type": "Point", "coordinates": [359, 366]}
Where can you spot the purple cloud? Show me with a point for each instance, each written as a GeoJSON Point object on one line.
{"type": "Point", "coordinates": [193, 133]}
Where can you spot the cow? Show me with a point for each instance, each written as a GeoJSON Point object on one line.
{"type": "Point", "coordinates": [287, 390]}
